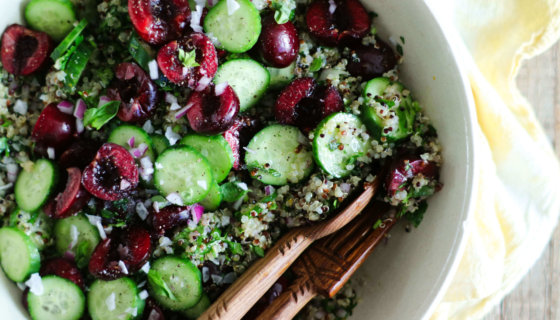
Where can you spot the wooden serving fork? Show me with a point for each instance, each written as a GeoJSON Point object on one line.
{"type": "Point", "coordinates": [240, 297]}
{"type": "Point", "coordinates": [326, 266]}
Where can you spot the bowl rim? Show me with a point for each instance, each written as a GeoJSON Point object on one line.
{"type": "Point", "coordinates": [458, 51]}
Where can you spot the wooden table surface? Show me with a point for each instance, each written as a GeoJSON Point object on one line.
{"type": "Point", "coordinates": [538, 294]}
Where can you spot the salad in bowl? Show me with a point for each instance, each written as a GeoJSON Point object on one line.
{"type": "Point", "coordinates": [152, 150]}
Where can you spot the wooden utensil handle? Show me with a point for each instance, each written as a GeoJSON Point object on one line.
{"type": "Point", "coordinates": [290, 302]}
{"type": "Point", "coordinates": [234, 303]}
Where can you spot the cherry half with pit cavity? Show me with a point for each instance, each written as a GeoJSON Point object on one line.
{"type": "Point", "coordinates": [24, 51]}
{"type": "Point", "coordinates": [337, 22]}
{"type": "Point", "coordinates": [278, 44]}
{"type": "Point", "coordinates": [54, 129]}
{"type": "Point", "coordinates": [304, 103]}
{"type": "Point", "coordinates": [159, 21]}
{"type": "Point", "coordinates": [124, 252]}
{"type": "Point", "coordinates": [212, 112]}
{"type": "Point", "coordinates": [112, 174]}
{"type": "Point", "coordinates": [191, 61]}
{"type": "Point", "coordinates": [371, 61]}
{"type": "Point", "coordinates": [135, 90]}
{"type": "Point", "coordinates": [73, 198]}
{"type": "Point", "coordinates": [404, 169]}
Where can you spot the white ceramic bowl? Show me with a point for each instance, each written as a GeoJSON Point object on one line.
{"type": "Point", "coordinates": [404, 278]}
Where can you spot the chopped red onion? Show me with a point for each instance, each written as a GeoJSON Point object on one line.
{"type": "Point", "coordinates": [80, 109]}
{"type": "Point", "coordinates": [268, 190]}
{"type": "Point", "coordinates": [69, 255]}
{"type": "Point", "coordinates": [181, 113]}
{"type": "Point", "coordinates": [79, 125]}
{"type": "Point", "coordinates": [131, 142]}
{"type": "Point", "coordinates": [154, 71]}
{"type": "Point", "coordinates": [65, 107]}
{"type": "Point", "coordinates": [139, 151]}
{"type": "Point", "coordinates": [50, 153]}
{"type": "Point", "coordinates": [103, 100]}
{"type": "Point", "coordinates": [345, 187]}
{"type": "Point", "coordinates": [170, 98]}
{"type": "Point", "coordinates": [197, 211]}
{"type": "Point", "coordinates": [220, 88]}
{"type": "Point", "coordinates": [203, 82]}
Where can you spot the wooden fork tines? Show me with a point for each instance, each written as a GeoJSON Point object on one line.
{"type": "Point", "coordinates": [328, 264]}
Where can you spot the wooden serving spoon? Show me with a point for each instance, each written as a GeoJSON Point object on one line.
{"type": "Point", "coordinates": [326, 266]}
{"type": "Point", "coordinates": [240, 297]}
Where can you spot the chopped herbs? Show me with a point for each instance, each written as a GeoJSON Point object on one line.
{"type": "Point", "coordinates": [98, 117]}
{"type": "Point", "coordinates": [188, 59]}
{"type": "Point", "coordinates": [316, 65]}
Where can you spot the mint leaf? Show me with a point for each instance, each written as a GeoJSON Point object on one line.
{"type": "Point", "coordinates": [233, 191]}
{"type": "Point", "coordinates": [98, 117]}
{"type": "Point", "coordinates": [258, 251]}
{"type": "Point", "coordinates": [188, 59]}
{"type": "Point", "coordinates": [140, 51]}
{"type": "Point", "coordinates": [159, 285]}
{"type": "Point", "coordinates": [316, 64]}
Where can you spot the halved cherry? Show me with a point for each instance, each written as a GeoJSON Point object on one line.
{"type": "Point", "coordinates": [406, 168]}
{"type": "Point", "coordinates": [304, 103]}
{"type": "Point", "coordinates": [63, 268]}
{"type": "Point", "coordinates": [370, 61]}
{"type": "Point", "coordinates": [191, 61]}
{"type": "Point", "coordinates": [169, 217]}
{"type": "Point", "coordinates": [73, 198]}
{"type": "Point", "coordinates": [278, 44]}
{"type": "Point", "coordinates": [159, 21]}
{"type": "Point", "coordinates": [136, 91]}
{"type": "Point", "coordinates": [112, 174]}
{"type": "Point", "coordinates": [209, 113]}
{"type": "Point", "coordinates": [24, 51]}
{"type": "Point", "coordinates": [131, 246]}
{"type": "Point", "coordinates": [238, 136]}
{"type": "Point", "coordinates": [54, 129]}
{"type": "Point", "coordinates": [152, 310]}
{"type": "Point", "coordinates": [337, 22]}
{"type": "Point", "coordinates": [79, 154]}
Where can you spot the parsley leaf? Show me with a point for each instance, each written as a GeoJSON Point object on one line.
{"type": "Point", "coordinates": [98, 117]}
{"type": "Point", "coordinates": [258, 251]}
{"type": "Point", "coordinates": [188, 59]}
{"type": "Point", "coordinates": [4, 146]}
{"type": "Point", "coordinates": [417, 216]}
{"type": "Point", "coordinates": [82, 254]}
{"type": "Point", "coordinates": [400, 49]}
{"type": "Point", "coordinates": [316, 64]}
{"type": "Point", "coordinates": [159, 285]}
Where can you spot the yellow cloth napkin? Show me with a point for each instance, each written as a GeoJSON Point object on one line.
{"type": "Point", "coordinates": [519, 180]}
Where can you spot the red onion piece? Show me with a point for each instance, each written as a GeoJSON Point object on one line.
{"type": "Point", "coordinates": [80, 109]}
{"type": "Point", "coordinates": [131, 142]}
{"type": "Point", "coordinates": [268, 190]}
{"type": "Point", "coordinates": [103, 100]}
{"type": "Point", "coordinates": [182, 112]}
{"type": "Point", "coordinates": [197, 210]}
{"type": "Point", "coordinates": [65, 107]}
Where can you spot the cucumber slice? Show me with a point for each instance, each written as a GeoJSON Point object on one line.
{"type": "Point", "coordinates": [213, 198]}
{"type": "Point", "coordinates": [61, 299]}
{"type": "Point", "coordinates": [215, 149]}
{"type": "Point", "coordinates": [248, 78]}
{"type": "Point", "coordinates": [281, 77]}
{"type": "Point", "coordinates": [19, 257]}
{"type": "Point", "coordinates": [160, 143]}
{"type": "Point", "coordinates": [77, 235]}
{"type": "Point", "coordinates": [278, 155]}
{"type": "Point", "coordinates": [194, 312]}
{"type": "Point", "coordinates": [237, 32]}
{"type": "Point", "coordinates": [34, 187]}
{"type": "Point", "coordinates": [36, 225]}
{"type": "Point", "coordinates": [340, 139]}
{"type": "Point", "coordinates": [114, 300]}
{"type": "Point", "coordinates": [185, 171]}
{"type": "Point", "coordinates": [175, 283]}
{"type": "Point", "coordinates": [54, 17]}
{"type": "Point", "coordinates": [123, 135]}
{"type": "Point", "coordinates": [383, 118]}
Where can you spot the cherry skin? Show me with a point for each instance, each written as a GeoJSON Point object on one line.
{"type": "Point", "coordinates": [278, 44]}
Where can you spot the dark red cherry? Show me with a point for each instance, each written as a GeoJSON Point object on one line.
{"type": "Point", "coordinates": [24, 51]}
{"type": "Point", "coordinates": [79, 154]}
{"type": "Point", "coordinates": [191, 61]}
{"type": "Point", "coordinates": [73, 198]}
{"type": "Point", "coordinates": [54, 129]}
{"type": "Point", "coordinates": [159, 21]}
{"type": "Point", "coordinates": [169, 217]}
{"type": "Point", "coordinates": [370, 61]}
{"type": "Point", "coordinates": [405, 169]}
{"type": "Point", "coordinates": [337, 22]}
{"type": "Point", "coordinates": [112, 174]}
{"type": "Point", "coordinates": [278, 44]}
{"type": "Point", "coordinates": [136, 91]}
{"type": "Point", "coordinates": [212, 113]}
{"type": "Point", "coordinates": [130, 247]}
{"type": "Point", "coordinates": [238, 136]}
{"type": "Point", "coordinates": [63, 268]}
{"type": "Point", "coordinates": [304, 103]}
{"type": "Point", "coordinates": [152, 310]}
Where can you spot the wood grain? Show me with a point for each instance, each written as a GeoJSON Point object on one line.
{"type": "Point", "coordinates": [234, 303]}
{"type": "Point", "coordinates": [538, 295]}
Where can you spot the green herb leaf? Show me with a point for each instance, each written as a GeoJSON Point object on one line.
{"type": "Point", "coordinates": [316, 65]}
{"type": "Point", "coordinates": [188, 59]}
{"type": "Point", "coordinates": [283, 10]}
{"type": "Point", "coordinates": [377, 224]}
{"type": "Point", "coordinates": [236, 247]}
{"type": "Point", "coordinates": [402, 39]}
{"type": "Point", "coordinates": [69, 40]}
{"type": "Point", "coordinates": [140, 51]}
{"type": "Point", "coordinates": [233, 191]}
{"type": "Point", "coordinates": [270, 171]}
{"type": "Point", "coordinates": [417, 216]}
{"type": "Point", "coordinates": [4, 146]}
{"type": "Point", "coordinates": [98, 117]}
{"type": "Point", "coordinates": [159, 285]}
{"type": "Point", "coordinates": [258, 251]}
{"type": "Point", "coordinates": [77, 62]}
{"type": "Point", "coordinates": [82, 254]}
{"type": "Point", "coordinates": [399, 49]}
